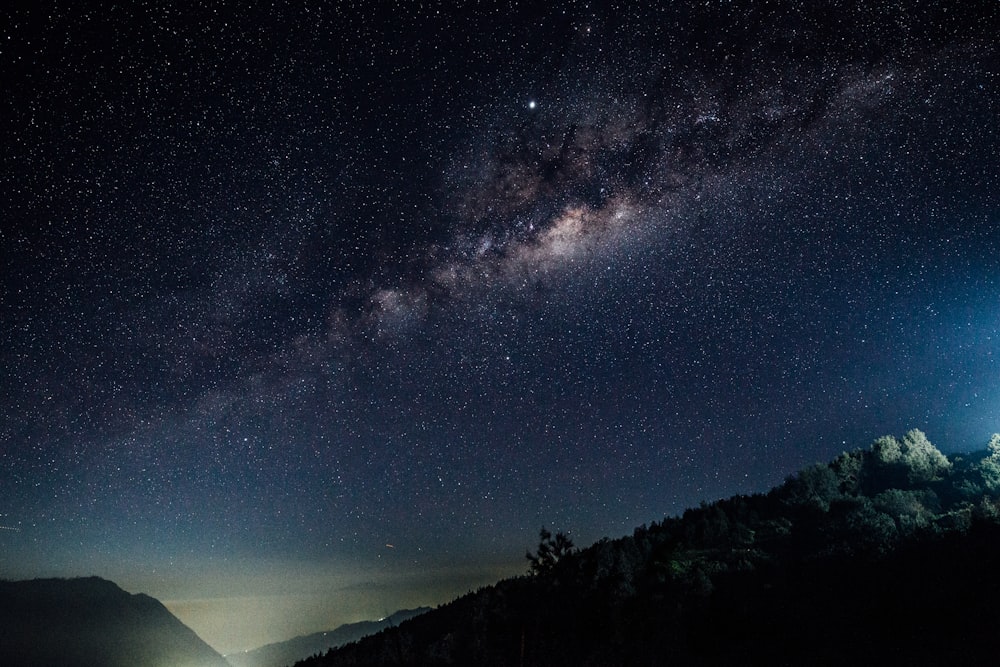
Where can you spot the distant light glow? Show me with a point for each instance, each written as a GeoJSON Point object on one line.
{"type": "Point", "coordinates": [305, 338]}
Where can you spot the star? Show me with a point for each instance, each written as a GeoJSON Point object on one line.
{"type": "Point", "coordinates": [264, 305]}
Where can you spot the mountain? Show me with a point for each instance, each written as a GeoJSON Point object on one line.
{"type": "Point", "coordinates": [287, 652]}
{"type": "Point", "coordinates": [887, 555]}
{"type": "Point", "coordinates": [91, 622]}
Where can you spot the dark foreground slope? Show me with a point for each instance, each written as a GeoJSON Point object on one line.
{"type": "Point", "coordinates": [92, 622]}
{"type": "Point", "coordinates": [884, 556]}
{"type": "Point", "coordinates": [283, 653]}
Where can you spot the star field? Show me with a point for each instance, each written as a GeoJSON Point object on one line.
{"type": "Point", "coordinates": [283, 286]}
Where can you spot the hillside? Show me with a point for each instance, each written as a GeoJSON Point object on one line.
{"type": "Point", "coordinates": [882, 556]}
{"type": "Point", "coordinates": [91, 622]}
{"type": "Point", "coordinates": [283, 653]}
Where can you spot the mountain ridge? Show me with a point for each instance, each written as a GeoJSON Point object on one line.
{"type": "Point", "coordinates": [92, 622]}
{"type": "Point", "coordinates": [277, 654]}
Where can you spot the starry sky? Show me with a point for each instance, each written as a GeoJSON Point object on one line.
{"type": "Point", "coordinates": [313, 311]}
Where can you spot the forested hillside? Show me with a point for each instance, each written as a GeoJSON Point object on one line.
{"type": "Point", "coordinates": [883, 555]}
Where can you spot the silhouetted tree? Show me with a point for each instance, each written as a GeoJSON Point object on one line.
{"type": "Point", "coordinates": [551, 549]}
{"type": "Point", "coordinates": [816, 485]}
{"type": "Point", "coordinates": [848, 468]}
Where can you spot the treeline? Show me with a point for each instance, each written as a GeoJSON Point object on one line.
{"type": "Point", "coordinates": [880, 555]}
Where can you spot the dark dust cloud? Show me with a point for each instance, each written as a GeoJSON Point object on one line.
{"type": "Point", "coordinates": [285, 286]}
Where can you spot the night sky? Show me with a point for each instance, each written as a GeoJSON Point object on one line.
{"type": "Point", "coordinates": [311, 312]}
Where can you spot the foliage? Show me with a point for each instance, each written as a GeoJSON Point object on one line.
{"type": "Point", "coordinates": [913, 456]}
{"type": "Point", "coordinates": [551, 550]}
{"type": "Point", "coordinates": [990, 466]}
{"type": "Point", "coordinates": [761, 579]}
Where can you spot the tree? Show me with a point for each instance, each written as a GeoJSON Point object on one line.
{"type": "Point", "coordinates": [990, 466]}
{"type": "Point", "coordinates": [914, 455]}
{"type": "Point", "coordinates": [887, 450]}
{"type": "Point", "coordinates": [551, 549]}
{"type": "Point", "coordinates": [815, 486]}
{"type": "Point", "coordinates": [925, 462]}
{"type": "Point", "coordinates": [848, 467]}
{"type": "Point", "coordinates": [911, 510]}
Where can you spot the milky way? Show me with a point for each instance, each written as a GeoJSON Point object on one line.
{"type": "Point", "coordinates": [284, 286]}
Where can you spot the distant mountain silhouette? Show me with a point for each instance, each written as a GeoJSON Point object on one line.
{"type": "Point", "coordinates": [91, 622]}
{"type": "Point", "coordinates": [284, 653]}
{"type": "Point", "coordinates": [883, 556]}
